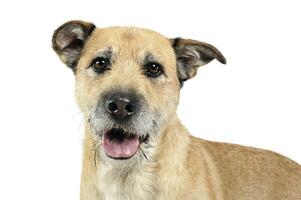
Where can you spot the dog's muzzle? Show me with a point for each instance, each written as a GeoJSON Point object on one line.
{"type": "Point", "coordinates": [118, 122]}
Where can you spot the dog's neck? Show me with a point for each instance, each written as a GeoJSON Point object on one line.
{"type": "Point", "coordinates": [173, 150]}
{"type": "Point", "coordinates": [141, 181]}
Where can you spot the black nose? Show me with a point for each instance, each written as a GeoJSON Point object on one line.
{"type": "Point", "coordinates": [121, 107]}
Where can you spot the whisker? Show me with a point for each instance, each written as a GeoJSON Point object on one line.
{"type": "Point", "coordinates": [95, 155]}
{"type": "Point", "coordinates": [144, 155]}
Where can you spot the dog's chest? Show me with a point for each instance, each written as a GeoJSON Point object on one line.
{"type": "Point", "coordinates": [124, 184]}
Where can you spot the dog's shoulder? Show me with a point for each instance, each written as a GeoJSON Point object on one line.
{"type": "Point", "coordinates": [240, 155]}
{"type": "Point", "coordinates": [242, 166]}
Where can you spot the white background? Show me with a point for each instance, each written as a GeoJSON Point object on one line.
{"type": "Point", "coordinates": [253, 100]}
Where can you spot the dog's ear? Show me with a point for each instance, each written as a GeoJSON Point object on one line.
{"type": "Point", "coordinates": [191, 54]}
{"type": "Point", "coordinates": [68, 41]}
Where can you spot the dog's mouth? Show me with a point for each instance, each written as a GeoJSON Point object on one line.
{"type": "Point", "coordinates": [120, 144]}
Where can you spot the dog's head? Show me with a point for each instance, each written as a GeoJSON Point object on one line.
{"type": "Point", "coordinates": [127, 82]}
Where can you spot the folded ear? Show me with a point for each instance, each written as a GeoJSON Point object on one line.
{"type": "Point", "coordinates": [192, 54]}
{"type": "Point", "coordinates": [69, 39]}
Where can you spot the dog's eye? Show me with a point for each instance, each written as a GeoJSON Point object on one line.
{"type": "Point", "coordinates": [153, 69]}
{"type": "Point", "coordinates": [100, 64]}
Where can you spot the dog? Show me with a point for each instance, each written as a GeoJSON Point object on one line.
{"type": "Point", "coordinates": [128, 81]}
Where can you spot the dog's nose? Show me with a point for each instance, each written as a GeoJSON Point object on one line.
{"type": "Point", "coordinates": [121, 107]}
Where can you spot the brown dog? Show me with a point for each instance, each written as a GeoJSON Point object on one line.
{"type": "Point", "coordinates": [127, 86]}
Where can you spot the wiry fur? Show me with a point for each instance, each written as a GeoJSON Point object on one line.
{"type": "Point", "coordinates": [171, 164]}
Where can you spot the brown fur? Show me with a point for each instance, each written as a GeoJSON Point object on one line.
{"type": "Point", "coordinates": [180, 166]}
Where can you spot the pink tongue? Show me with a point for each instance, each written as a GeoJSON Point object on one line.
{"type": "Point", "coordinates": [121, 149]}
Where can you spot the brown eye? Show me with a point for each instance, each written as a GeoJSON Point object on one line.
{"type": "Point", "coordinates": [153, 69]}
{"type": "Point", "coordinates": [100, 64]}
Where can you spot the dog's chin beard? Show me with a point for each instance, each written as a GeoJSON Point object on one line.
{"type": "Point", "coordinates": [122, 145]}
